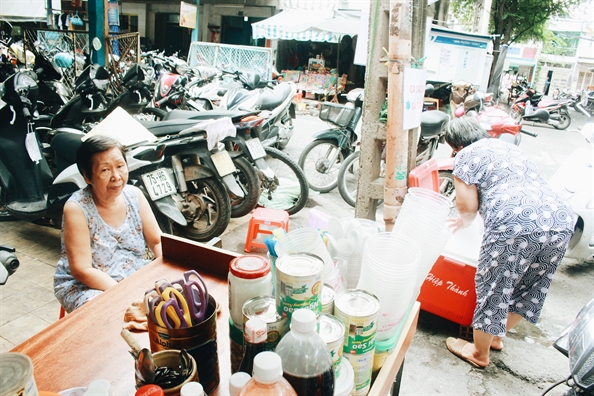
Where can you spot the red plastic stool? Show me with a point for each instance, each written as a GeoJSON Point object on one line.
{"type": "Point", "coordinates": [270, 219]}
{"type": "Point", "coordinates": [62, 312]}
{"type": "Point", "coordinates": [425, 175]}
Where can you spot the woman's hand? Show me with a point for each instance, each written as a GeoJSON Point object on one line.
{"type": "Point", "coordinates": [455, 223]}
{"type": "Point", "coordinates": [150, 227]}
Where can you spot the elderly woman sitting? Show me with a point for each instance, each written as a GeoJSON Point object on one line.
{"type": "Point", "coordinates": [106, 227]}
{"type": "Point", "coordinates": [527, 230]}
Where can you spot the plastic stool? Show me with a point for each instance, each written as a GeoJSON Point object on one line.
{"type": "Point", "coordinates": [62, 312]}
{"type": "Point", "coordinates": [272, 218]}
{"type": "Point", "coordinates": [425, 175]}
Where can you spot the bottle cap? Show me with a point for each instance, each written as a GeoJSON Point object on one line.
{"type": "Point", "coordinates": [249, 267]}
{"type": "Point", "coordinates": [192, 389]}
{"type": "Point", "coordinates": [268, 367]}
{"type": "Point", "coordinates": [237, 382]}
{"type": "Point", "coordinates": [149, 390]}
{"type": "Point", "coordinates": [255, 331]}
{"type": "Point", "coordinates": [303, 321]}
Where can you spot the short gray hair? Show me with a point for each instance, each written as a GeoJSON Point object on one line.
{"type": "Point", "coordinates": [463, 131]}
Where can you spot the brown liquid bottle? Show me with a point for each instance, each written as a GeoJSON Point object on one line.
{"type": "Point", "coordinates": [255, 335]}
{"type": "Point", "coordinates": [307, 363]}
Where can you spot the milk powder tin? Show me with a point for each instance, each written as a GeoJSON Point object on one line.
{"type": "Point", "coordinates": [17, 375]}
{"type": "Point", "coordinates": [264, 307]}
{"type": "Point", "coordinates": [298, 283]}
{"type": "Point", "coordinates": [359, 311]}
{"type": "Point", "coordinates": [328, 299]}
{"type": "Point", "coordinates": [331, 329]}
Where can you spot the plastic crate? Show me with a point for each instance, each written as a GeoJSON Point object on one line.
{"type": "Point", "coordinates": [336, 113]}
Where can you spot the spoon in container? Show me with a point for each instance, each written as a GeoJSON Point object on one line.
{"type": "Point", "coordinates": [146, 365]}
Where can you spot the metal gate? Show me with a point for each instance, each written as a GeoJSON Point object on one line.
{"type": "Point", "coordinates": [232, 57]}
{"type": "Point", "coordinates": [70, 51]}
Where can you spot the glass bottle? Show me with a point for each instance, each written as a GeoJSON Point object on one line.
{"type": "Point", "coordinates": [255, 336]}
{"type": "Point", "coordinates": [307, 363]}
{"type": "Point", "coordinates": [268, 378]}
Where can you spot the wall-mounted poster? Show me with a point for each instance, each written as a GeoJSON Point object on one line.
{"type": "Point", "coordinates": [187, 15]}
{"type": "Point", "coordinates": [113, 15]}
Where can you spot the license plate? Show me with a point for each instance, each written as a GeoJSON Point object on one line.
{"type": "Point", "coordinates": [223, 162]}
{"type": "Point", "coordinates": [158, 184]}
{"type": "Point", "coordinates": [255, 148]}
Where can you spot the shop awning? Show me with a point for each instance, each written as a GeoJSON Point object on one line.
{"type": "Point", "coordinates": [308, 25]}
{"type": "Point", "coordinates": [26, 10]}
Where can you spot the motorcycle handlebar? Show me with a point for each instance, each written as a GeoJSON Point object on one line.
{"type": "Point", "coordinates": [26, 112]}
{"type": "Point", "coordinates": [529, 133]}
{"type": "Point", "coordinates": [161, 101]}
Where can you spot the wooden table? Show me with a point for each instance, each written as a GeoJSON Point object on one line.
{"type": "Point", "coordinates": [86, 345]}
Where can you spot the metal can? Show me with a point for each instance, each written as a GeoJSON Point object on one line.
{"type": "Point", "coordinates": [264, 307]}
{"type": "Point", "coordinates": [331, 329]}
{"type": "Point", "coordinates": [362, 368]}
{"type": "Point", "coordinates": [17, 375]}
{"type": "Point", "coordinates": [359, 312]}
{"type": "Point", "coordinates": [298, 283]}
{"type": "Point", "coordinates": [328, 299]}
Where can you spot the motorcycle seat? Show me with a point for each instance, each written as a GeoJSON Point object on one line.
{"type": "Point", "coordinates": [432, 123]}
{"type": "Point", "coordinates": [168, 127]}
{"type": "Point", "coordinates": [178, 114]}
{"type": "Point", "coordinates": [65, 146]}
{"type": "Point", "coordinates": [543, 104]}
{"type": "Point", "coordinates": [269, 99]}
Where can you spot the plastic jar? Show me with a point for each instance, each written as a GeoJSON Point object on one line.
{"type": "Point", "coordinates": [249, 276]}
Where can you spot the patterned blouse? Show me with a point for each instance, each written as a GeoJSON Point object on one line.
{"type": "Point", "coordinates": [514, 199]}
{"type": "Point", "coordinates": [115, 251]}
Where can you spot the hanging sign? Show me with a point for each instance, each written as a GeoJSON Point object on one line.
{"type": "Point", "coordinates": [187, 15]}
{"type": "Point", "coordinates": [413, 93]}
{"type": "Point", "coordinates": [113, 15]}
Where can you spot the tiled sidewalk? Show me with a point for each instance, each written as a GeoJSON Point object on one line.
{"type": "Point", "coordinates": [27, 302]}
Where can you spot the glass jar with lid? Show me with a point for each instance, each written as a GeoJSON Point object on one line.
{"type": "Point", "coordinates": [249, 276]}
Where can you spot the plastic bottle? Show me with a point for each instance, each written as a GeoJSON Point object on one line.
{"type": "Point", "coordinates": [268, 378]}
{"type": "Point", "coordinates": [192, 389]}
{"type": "Point", "coordinates": [255, 336]}
{"type": "Point", "coordinates": [307, 363]}
{"type": "Point", "coordinates": [237, 382]}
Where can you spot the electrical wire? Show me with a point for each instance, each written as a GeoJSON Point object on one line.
{"type": "Point", "coordinates": [555, 385]}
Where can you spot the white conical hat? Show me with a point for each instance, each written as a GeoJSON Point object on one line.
{"type": "Point", "coordinates": [122, 126]}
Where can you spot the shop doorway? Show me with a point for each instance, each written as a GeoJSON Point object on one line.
{"type": "Point", "coordinates": [169, 36]}
{"type": "Point", "coordinates": [237, 30]}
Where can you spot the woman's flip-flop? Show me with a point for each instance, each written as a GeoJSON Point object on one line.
{"type": "Point", "coordinates": [455, 345]}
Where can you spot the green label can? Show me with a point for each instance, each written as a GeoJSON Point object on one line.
{"type": "Point", "coordinates": [362, 368]}
{"type": "Point", "coordinates": [358, 310]}
{"type": "Point", "coordinates": [328, 299]}
{"type": "Point", "coordinates": [298, 283]}
{"type": "Point", "coordinates": [331, 329]}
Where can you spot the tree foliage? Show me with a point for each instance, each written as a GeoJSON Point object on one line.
{"type": "Point", "coordinates": [516, 21]}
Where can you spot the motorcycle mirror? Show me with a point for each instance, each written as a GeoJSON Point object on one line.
{"type": "Point", "coordinates": [97, 44]}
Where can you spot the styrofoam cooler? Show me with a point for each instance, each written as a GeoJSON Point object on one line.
{"type": "Point", "coordinates": [448, 290]}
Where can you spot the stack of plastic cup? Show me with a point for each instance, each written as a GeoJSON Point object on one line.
{"type": "Point", "coordinates": [422, 218]}
{"type": "Point", "coordinates": [305, 240]}
{"type": "Point", "coordinates": [356, 232]}
{"type": "Point", "coordinates": [389, 271]}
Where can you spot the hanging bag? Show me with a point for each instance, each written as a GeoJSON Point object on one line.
{"type": "Point", "coordinates": [75, 20]}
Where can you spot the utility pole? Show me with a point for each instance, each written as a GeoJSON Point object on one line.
{"type": "Point", "coordinates": [98, 28]}
{"type": "Point", "coordinates": [482, 16]}
{"type": "Point", "coordinates": [399, 54]}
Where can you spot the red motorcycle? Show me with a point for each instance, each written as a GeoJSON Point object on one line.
{"type": "Point", "coordinates": [530, 107]}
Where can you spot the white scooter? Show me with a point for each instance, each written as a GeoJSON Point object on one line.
{"type": "Point", "coordinates": [575, 181]}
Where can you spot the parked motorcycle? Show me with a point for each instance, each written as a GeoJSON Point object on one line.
{"type": "Point", "coordinates": [8, 263]}
{"type": "Point", "coordinates": [432, 133]}
{"type": "Point", "coordinates": [577, 343]}
{"type": "Point", "coordinates": [529, 107]}
{"type": "Point", "coordinates": [273, 102]}
{"type": "Point", "coordinates": [321, 158]}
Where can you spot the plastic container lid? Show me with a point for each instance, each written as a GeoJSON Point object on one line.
{"type": "Point", "coordinates": [149, 390]}
{"type": "Point", "coordinates": [268, 367]}
{"type": "Point", "coordinates": [303, 321]}
{"type": "Point", "coordinates": [249, 267]}
{"type": "Point", "coordinates": [345, 382]}
{"type": "Point", "coordinates": [192, 389]}
{"type": "Point", "coordinates": [237, 382]}
{"type": "Point", "coordinates": [256, 331]}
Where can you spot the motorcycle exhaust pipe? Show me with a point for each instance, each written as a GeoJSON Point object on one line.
{"type": "Point", "coordinates": [582, 110]}
{"type": "Point", "coordinates": [529, 133]}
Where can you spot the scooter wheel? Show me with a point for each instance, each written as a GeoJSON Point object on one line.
{"type": "Point", "coordinates": [563, 123]}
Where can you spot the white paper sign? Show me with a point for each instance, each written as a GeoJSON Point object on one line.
{"type": "Point", "coordinates": [413, 93]}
